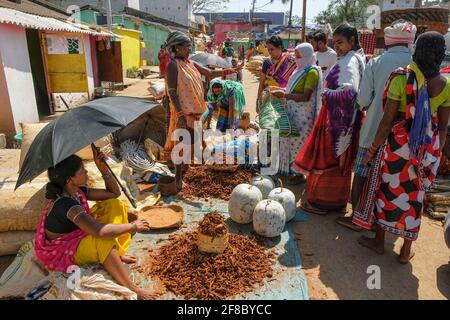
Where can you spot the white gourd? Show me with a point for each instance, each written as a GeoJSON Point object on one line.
{"type": "Point", "coordinates": [286, 198]}
{"type": "Point", "coordinates": [243, 201]}
{"type": "Point", "coordinates": [269, 218]}
{"type": "Point", "coordinates": [264, 184]}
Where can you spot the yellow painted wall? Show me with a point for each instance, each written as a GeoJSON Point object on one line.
{"type": "Point", "coordinates": [131, 47]}
{"type": "Point", "coordinates": [66, 72]}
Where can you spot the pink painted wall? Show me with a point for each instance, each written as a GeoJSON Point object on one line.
{"type": "Point", "coordinates": [6, 118]}
{"type": "Point", "coordinates": [222, 28]}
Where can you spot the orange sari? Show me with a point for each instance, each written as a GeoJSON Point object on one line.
{"type": "Point", "coordinates": [191, 96]}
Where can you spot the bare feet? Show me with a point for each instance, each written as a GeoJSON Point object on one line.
{"type": "Point", "coordinates": [405, 256]}
{"type": "Point", "coordinates": [128, 259]}
{"type": "Point", "coordinates": [348, 223]}
{"type": "Point", "coordinates": [371, 244]}
{"type": "Point", "coordinates": [143, 294]}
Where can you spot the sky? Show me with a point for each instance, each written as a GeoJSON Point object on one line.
{"type": "Point", "coordinates": [313, 7]}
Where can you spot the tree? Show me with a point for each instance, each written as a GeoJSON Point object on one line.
{"type": "Point", "coordinates": [350, 11]}
{"type": "Point", "coordinates": [296, 21]}
{"type": "Point", "coordinates": [208, 5]}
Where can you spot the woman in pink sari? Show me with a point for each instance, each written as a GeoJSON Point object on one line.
{"type": "Point", "coordinates": [72, 234]}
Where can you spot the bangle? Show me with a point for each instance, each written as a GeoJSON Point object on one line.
{"type": "Point", "coordinates": [134, 231]}
{"type": "Point", "coordinates": [181, 114]}
{"type": "Point", "coordinates": [107, 176]}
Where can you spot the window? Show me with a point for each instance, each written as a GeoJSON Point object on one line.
{"type": "Point", "coordinates": [58, 44]}
{"type": "Point", "coordinates": [73, 46]}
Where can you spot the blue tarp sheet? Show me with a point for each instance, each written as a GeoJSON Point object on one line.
{"type": "Point", "coordinates": [288, 282]}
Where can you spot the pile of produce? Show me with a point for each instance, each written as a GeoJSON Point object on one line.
{"type": "Point", "coordinates": [205, 182]}
{"type": "Point", "coordinates": [213, 225]}
{"type": "Point", "coordinates": [267, 207]}
{"type": "Point", "coordinates": [190, 274]}
{"type": "Point", "coordinates": [255, 65]}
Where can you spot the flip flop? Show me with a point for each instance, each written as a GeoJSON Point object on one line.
{"type": "Point", "coordinates": [347, 222]}
{"type": "Point", "coordinates": [310, 209]}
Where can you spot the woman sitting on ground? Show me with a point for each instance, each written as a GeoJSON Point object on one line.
{"type": "Point", "coordinates": [70, 233]}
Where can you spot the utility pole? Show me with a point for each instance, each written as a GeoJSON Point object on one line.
{"type": "Point", "coordinates": [304, 22]}
{"type": "Point", "coordinates": [252, 11]}
{"type": "Point", "coordinates": [109, 14]}
{"type": "Point", "coordinates": [290, 22]}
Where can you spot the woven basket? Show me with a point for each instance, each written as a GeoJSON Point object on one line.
{"type": "Point", "coordinates": [207, 244]}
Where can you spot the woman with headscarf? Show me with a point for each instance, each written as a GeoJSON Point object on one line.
{"type": "Point", "coordinates": [303, 101]}
{"type": "Point", "coordinates": [405, 155]}
{"type": "Point", "coordinates": [228, 99]}
{"type": "Point", "coordinates": [184, 86]}
{"type": "Point", "coordinates": [327, 156]}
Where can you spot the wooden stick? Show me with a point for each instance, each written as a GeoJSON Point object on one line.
{"type": "Point", "coordinates": [124, 190]}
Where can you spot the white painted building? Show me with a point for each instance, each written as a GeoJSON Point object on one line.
{"type": "Point", "coordinates": [179, 11]}
{"type": "Point", "coordinates": [16, 81]}
{"type": "Point", "coordinates": [400, 4]}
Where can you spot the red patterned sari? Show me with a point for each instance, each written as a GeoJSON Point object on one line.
{"type": "Point", "coordinates": [394, 194]}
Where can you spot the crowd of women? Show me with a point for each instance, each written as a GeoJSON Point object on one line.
{"type": "Point", "coordinates": [407, 126]}
{"type": "Point", "coordinates": [326, 142]}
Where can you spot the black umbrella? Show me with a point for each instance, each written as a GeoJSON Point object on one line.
{"type": "Point", "coordinates": [77, 129]}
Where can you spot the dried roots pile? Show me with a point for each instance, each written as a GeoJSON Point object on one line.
{"type": "Point", "coordinates": [204, 182]}
{"type": "Point", "coordinates": [185, 271]}
{"type": "Point", "coordinates": [213, 225]}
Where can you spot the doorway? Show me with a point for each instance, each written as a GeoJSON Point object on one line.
{"type": "Point", "coordinates": [38, 73]}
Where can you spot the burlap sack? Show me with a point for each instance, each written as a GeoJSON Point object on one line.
{"type": "Point", "coordinates": [21, 210]}
{"type": "Point", "coordinates": [94, 283]}
{"type": "Point", "coordinates": [10, 242]}
{"type": "Point", "coordinates": [23, 275]}
{"type": "Point", "coordinates": [29, 132]}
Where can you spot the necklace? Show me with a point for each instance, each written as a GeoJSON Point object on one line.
{"type": "Point", "coordinates": [76, 198]}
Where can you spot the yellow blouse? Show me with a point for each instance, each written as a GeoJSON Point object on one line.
{"type": "Point", "coordinates": [397, 92]}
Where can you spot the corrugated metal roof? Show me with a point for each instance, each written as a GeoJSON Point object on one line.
{"type": "Point", "coordinates": [11, 16]}
{"type": "Point", "coordinates": [39, 8]}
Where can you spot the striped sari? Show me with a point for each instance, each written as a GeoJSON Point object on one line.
{"type": "Point", "coordinates": [279, 72]}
